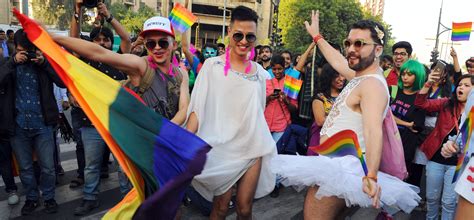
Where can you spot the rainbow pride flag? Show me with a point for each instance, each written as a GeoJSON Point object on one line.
{"type": "Point", "coordinates": [159, 158]}
{"type": "Point", "coordinates": [341, 144]}
{"type": "Point", "coordinates": [466, 132]}
{"type": "Point", "coordinates": [461, 31]}
{"type": "Point", "coordinates": [181, 18]}
{"type": "Point", "coordinates": [292, 87]}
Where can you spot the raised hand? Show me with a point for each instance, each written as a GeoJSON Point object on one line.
{"type": "Point", "coordinates": [313, 28]}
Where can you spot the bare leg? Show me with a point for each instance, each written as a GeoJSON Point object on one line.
{"type": "Point", "coordinates": [247, 186]}
{"type": "Point", "coordinates": [220, 205]}
{"type": "Point", "coordinates": [465, 209]}
{"type": "Point", "coordinates": [324, 208]}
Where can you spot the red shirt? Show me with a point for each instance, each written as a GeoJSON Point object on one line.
{"type": "Point", "coordinates": [392, 78]}
{"type": "Point", "coordinates": [277, 117]}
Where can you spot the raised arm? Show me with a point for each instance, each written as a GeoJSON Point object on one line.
{"type": "Point", "coordinates": [130, 64]}
{"type": "Point", "coordinates": [125, 42]}
{"type": "Point", "coordinates": [300, 65]}
{"type": "Point", "coordinates": [454, 55]}
{"type": "Point", "coordinates": [74, 31]}
{"type": "Point", "coordinates": [333, 56]}
{"type": "Point", "coordinates": [185, 48]}
{"type": "Point", "coordinates": [422, 101]}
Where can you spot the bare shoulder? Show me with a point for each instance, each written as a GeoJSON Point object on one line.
{"type": "Point", "coordinates": [374, 85]}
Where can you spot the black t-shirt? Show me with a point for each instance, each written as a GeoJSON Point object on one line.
{"type": "Point", "coordinates": [438, 158]}
{"type": "Point", "coordinates": [403, 107]}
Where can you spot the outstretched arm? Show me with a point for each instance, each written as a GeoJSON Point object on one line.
{"type": "Point", "coordinates": [334, 58]}
{"type": "Point", "coordinates": [185, 48]}
{"type": "Point", "coordinates": [300, 65]}
{"type": "Point", "coordinates": [128, 63]}
{"type": "Point", "coordinates": [125, 43]}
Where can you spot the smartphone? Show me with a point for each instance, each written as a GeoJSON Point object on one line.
{"type": "Point", "coordinates": [441, 68]}
{"type": "Point", "coordinates": [276, 91]}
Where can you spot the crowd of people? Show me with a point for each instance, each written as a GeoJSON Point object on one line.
{"type": "Point", "coordinates": [235, 98]}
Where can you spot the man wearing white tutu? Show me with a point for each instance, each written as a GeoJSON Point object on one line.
{"type": "Point", "coordinates": [361, 107]}
{"type": "Point", "coordinates": [227, 111]}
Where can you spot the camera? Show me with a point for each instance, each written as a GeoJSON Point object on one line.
{"type": "Point", "coordinates": [31, 55]}
{"type": "Point", "coordinates": [90, 3]}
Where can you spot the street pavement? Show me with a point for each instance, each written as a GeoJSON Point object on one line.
{"type": "Point", "coordinates": [288, 205]}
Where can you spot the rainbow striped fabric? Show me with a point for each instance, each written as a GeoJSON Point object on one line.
{"type": "Point", "coordinates": [292, 87]}
{"type": "Point", "coordinates": [159, 158]}
{"type": "Point", "coordinates": [461, 31]}
{"type": "Point", "coordinates": [466, 133]}
{"type": "Point", "coordinates": [341, 144]}
{"type": "Point", "coordinates": [181, 18]}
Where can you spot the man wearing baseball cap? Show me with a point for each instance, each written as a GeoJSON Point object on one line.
{"type": "Point", "coordinates": [162, 88]}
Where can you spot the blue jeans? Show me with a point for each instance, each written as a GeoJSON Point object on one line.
{"type": "Point", "coordinates": [94, 148]}
{"type": "Point", "coordinates": [40, 141]}
{"type": "Point", "coordinates": [438, 179]}
{"type": "Point", "coordinates": [277, 135]}
{"type": "Point", "coordinates": [6, 169]}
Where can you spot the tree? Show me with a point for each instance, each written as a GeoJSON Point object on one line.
{"type": "Point", "coordinates": [132, 21]}
{"type": "Point", "coordinates": [336, 17]}
{"type": "Point", "coordinates": [57, 13]}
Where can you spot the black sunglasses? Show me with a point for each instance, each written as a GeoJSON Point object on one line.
{"type": "Point", "coordinates": [357, 43]}
{"type": "Point", "coordinates": [240, 36]}
{"type": "Point", "coordinates": [163, 43]}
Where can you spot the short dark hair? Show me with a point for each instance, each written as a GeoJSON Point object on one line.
{"type": "Point", "coordinates": [469, 61]}
{"type": "Point", "coordinates": [371, 25]}
{"type": "Point", "coordinates": [9, 31]}
{"type": "Point", "coordinates": [221, 45]}
{"type": "Point", "coordinates": [288, 52]}
{"type": "Point", "coordinates": [403, 44]}
{"type": "Point", "coordinates": [104, 31]}
{"type": "Point", "coordinates": [21, 39]}
{"type": "Point", "coordinates": [387, 57]}
{"type": "Point", "coordinates": [2, 31]}
{"type": "Point", "coordinates": [242, 13]}
{"type": "Point", "coordinates": [267, 47]}
{"type": "Point", "coordinates": [277, 59]}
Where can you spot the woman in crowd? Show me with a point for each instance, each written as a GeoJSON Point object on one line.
{"type": "Point", "coordinates": [410, 120]}
{"type": "Point", "coordinates": [440, 170]}
{"type": "Point", "coordinates": [331, 84]}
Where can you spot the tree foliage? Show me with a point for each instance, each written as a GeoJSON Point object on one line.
{"type": "Point", "coordinates": [132, 21]}
{"type": "Point", "coordinates": [336, 17]}
{"type": "Point", "coordinates": [53, 12]}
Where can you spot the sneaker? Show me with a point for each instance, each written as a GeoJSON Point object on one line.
{"type": "Point", "coordinates": [50, 206]}
{"type": "Point", "coordinates": [29, 207]}
{"type": "Point", "coordinates": [86, 207]}
{"type": "Point", "coordinates": [13, 198]}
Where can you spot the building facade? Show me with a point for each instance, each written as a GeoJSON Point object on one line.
{"type": "Point", "coordinates": [375, 7]}
{"type": "Point", "coordinates": [6, 6]}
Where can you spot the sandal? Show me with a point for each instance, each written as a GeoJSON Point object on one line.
{"type": "Point", "coordinates": [76, 183]}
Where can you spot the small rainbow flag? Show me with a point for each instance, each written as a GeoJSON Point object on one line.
{"type": "Point", "coordinates": [461, 31]}
{"type": "Point", "coordinates": [181, 18]}
{"type": "Point", "coordinates": [159, 158]}
{"type": "Point", "coordinates": [466, 132]}
{"type": "Point", "coordinates": [341, 144]}
{"type": "Point", "coordinates": [292, 87]}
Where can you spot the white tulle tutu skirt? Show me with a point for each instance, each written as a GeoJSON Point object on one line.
{"type": "Point", "coordinates": [342, 177]}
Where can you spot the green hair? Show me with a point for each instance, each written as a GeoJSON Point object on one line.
{"type": "Point", "coordinates": [415, 68]}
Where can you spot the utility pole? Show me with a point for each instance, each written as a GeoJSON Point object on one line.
{"type": "Point", "coordinates": [223, 20]}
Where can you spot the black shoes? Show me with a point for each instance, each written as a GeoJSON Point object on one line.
{"type": "Point", "coordinates": [50, 206]}
{"type": "Point", "coordinates": [29, 207]}
{"type": "Point", "coordinates": [86, 207]}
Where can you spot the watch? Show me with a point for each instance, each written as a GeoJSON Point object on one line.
{"type": "Point", "coordinates": [110, 18]}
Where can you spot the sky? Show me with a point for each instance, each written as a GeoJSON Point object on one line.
{"type": "Point", "coordinates": [416, 21]}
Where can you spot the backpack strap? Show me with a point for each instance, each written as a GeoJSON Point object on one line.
{"type": "Point", "coordinates": [145, 81]}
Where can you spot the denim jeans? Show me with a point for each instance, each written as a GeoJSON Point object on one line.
{"type": "Point", "coordinates": [76, 131]}
{"type": "Point", "coordinates": [6, 164]}
{"type": "Point", "coordinates": [94, 148]}
{"type": "Point", "coordinates": [438, 180]}
{"type": "Point", "coordinates": [40, 141]}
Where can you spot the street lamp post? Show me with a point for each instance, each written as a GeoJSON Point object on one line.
{"type": "Point", "coordinates": [223, 20]}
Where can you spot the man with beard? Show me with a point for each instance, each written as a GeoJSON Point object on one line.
{"type": "Point", "coordinates": [265, 56]}
{"type": "Point", "coordinates": [360, 107]}
{"type": "Point", "coordinates": [401, 53]}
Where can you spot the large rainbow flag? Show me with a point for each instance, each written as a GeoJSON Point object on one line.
{"type": "Point", "coordinates": [461, 31]}
{"type": "Point", "coordinates": [292, 86]}
{"type": "Point", "coordinates": [159, 158]}
{"type": "Point", "coordinates": [181, 18]}
{"type": "Point", "coordinates": [341, 144]}
{"type": "Point", "coordinates": [466, 133]}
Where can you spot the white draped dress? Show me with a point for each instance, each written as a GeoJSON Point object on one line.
{"type": "Point", "coordinates": [230, 112]}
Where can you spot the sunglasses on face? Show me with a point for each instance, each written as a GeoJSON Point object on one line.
{"type": "Point", "coordinates": [359, 43]}
{"type": "Point", "coordinates": [240, 36]}
{"type": "Point", "coordinates": [163, 43]}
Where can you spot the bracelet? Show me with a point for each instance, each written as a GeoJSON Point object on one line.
{"type": "Point", "coordinates": [371, 176]}
{"type": "Point", "coordinates": [428, 84]}
{"type": "Point", "coordinates": [317, 38]}
{"type": "Point", "coordinates": [110, 18]}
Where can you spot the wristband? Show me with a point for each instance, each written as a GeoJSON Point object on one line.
{"type": "Point", "coordinates": [317, 38]}
{"type": "Point", "coordinates": [374, 178]}
{"type": "Point", "coordinates": [110, 18]}
{"type": "Point", "coordinates": [428, 84]}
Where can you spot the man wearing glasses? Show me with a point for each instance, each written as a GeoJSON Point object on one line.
{"type": "Point", "coordinates": [401, 53]}
{"type": "Point", "coordinates": [361, 107]}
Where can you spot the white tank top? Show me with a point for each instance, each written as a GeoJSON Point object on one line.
{"type": "Point", "coordinates": [341, 117]}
